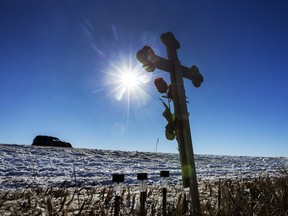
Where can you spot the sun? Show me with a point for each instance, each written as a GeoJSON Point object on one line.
{"type": "Point", "coordinates": [127, 80]}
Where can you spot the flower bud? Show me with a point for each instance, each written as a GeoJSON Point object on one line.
{"type": "Point", "coordinates": [161, 85]}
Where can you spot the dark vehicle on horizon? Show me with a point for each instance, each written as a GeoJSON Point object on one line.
{"type": "Point", "coordinates": [41, 140]}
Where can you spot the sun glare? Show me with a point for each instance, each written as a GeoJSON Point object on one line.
{"type": "Point", "coordinates": [128, 81]}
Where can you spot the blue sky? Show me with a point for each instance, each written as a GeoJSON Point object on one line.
{"type": "Point", "coordinates": [61, 63]}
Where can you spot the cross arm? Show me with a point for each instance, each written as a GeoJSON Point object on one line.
{"type": "Point", "coordinates": [151, 61]}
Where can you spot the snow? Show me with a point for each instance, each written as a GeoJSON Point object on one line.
{"type": "Point", "coordinates": [26, 166]}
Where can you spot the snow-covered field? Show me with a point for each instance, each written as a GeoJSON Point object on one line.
{"type": "Point", "coordinates": [26, 166]}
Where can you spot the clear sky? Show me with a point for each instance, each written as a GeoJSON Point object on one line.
{"type": "Point", "coordinates": [62, 64]}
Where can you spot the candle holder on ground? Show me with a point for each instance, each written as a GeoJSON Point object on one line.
{"type": "Point", "coordinates": [142, 180]}
{"type": "Point", "coordinates": [117, 180]}
{"type": "Point", "coordinates": [164, 184]}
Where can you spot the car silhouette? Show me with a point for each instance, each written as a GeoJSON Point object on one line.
{"type": "Point", "coordinates": [41, 140]}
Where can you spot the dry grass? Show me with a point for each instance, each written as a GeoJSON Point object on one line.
{"type": "Point", "coordinates": [263, 196]}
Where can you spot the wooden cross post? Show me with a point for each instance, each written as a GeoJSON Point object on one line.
{"type": "Point", "coordinates": [172, 65]}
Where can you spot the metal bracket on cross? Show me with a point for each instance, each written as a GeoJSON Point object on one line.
{"type": "Point", "coordinates": [172, 65]}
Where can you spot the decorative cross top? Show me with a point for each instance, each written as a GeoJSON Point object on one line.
{"type": "Point", "coordinates": [172, 65]}
{"type": "Point", "coordinates": [151, 61]}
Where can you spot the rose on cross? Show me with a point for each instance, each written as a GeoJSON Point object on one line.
{"type": "Point", "coordinates": [166, 91]}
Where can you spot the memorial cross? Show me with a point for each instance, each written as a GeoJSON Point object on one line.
{"type": "Point", "coordinates": [172, 65]}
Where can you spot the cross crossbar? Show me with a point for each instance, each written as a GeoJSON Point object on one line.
{"type": "Point", "coordinates": [151, 61]}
